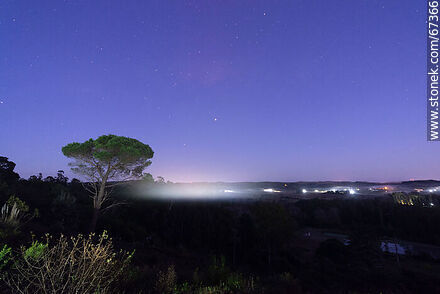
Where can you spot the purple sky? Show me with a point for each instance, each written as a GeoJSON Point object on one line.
{"type": "Point", "coordinates": [221, 90]}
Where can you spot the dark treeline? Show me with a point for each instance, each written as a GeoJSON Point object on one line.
{"type": "Point", "coordinates": [381, 214]}
{"type": "Point", "coordinates": [232, 247]}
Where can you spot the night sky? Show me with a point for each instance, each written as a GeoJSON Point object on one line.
{"type": "Point", "coordinates": [221, 90]}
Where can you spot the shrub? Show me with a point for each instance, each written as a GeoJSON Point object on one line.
{"type": "Point", "coordinates": [68, 265]}
{"type": "Point", "coordinates": [220, 280]}
{"type": "Point", "coordinates": [166, 281]}
{"type": "Point", "coordinates": [217, 270]}
{"type": "Point", "coordinates": [13, 214]}
{"type": "Point", "coordinates": [35, 251]}
{"type": "Point", "coordinates": [237, 285]}
{"type": "Point", "coordinates": [13, 211]}
{"type": "Point", "coordinates": [5, 258]}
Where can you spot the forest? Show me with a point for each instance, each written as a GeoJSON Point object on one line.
{"type": "Point", "coordinates": [153, 246]}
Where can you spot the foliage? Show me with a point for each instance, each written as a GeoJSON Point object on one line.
{"type": "Point", "coordinates": [35, 251]}
{"type": "Point", "coordinates": [75, 265]}
{"type": "Point", "coordinates": [5, 258]}
{"type": "Point", "coordinates": [110, 156]}
{"type": "Point", "coordinates": [21, 205]}
{"type": "Point", "coordinates": [166, 281]}
{"type": "Point", "coordinates": [234, 284]}
{"type": "Point", "coordinates": [8, 178]}
{"type": "Point", "coordinates": [217, 270]}
{"type": "Point", "coordinates": [13, 214]}
{"type": "Point", "coordinates": [147, 178]}
{"type": "Point", "coordinates": [10, 215]}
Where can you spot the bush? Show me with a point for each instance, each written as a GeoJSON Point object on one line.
{"type": "Point", "coordinates": [166, 281]}
{"type": "Point", "coordinates": [220, 280]}
{"type": "Point", "coordinates": [68, 265]}
{"type": "Point", "coordinates": [5, 258]}
{"type": "Point", "coordinates": [15, 212]}
{"type": "Point", "coordinates": [218, 271]}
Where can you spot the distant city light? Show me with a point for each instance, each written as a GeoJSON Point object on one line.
{"type": "Point", "coordinates": [219, 192]}
{"type": "Point", "coordinates": [270, 190]}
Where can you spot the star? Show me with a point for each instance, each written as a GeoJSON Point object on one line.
{"type": "Point", "coordinates": [215, 119]}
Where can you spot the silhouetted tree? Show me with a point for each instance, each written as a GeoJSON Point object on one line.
{"type": "Point", "coordinates": [107, 158]}
{"type": "Point", "coordinates": [61, 178]}
{"type": "Point", "coordinates": [147, 178]}
{"type": "Point", "coordinates": [8, 178]}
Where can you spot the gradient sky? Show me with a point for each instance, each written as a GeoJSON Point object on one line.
{"type": "Point", "coordinates": [221, 90]}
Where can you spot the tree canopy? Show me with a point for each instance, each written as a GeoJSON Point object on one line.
{"type": "Point", "coordinates": [109, 156]}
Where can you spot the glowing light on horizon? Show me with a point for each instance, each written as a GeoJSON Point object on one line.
{"type": "Point", "coordinates": [270, 190]}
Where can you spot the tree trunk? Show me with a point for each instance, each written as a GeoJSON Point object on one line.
{"type": "Point", "coordinates": [94, 219]}
{"type": "Point", "coordinates": [97, 202]}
